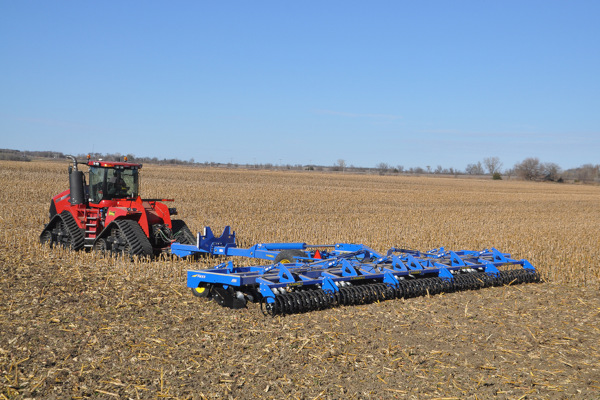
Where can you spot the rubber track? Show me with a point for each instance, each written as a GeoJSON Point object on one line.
{"type": "Point", "coordinates": [77, 236]}
{"type": "Point", "coordinates": [139, 245]}
{"type": "Point", "coordinates": [311, 300]}
{"type": "Point", "coordinates": [182, 233]}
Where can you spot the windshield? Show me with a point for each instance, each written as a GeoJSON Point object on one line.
{"type": "Point", "coordinates": [112, 183]}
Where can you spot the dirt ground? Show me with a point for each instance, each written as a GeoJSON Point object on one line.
{"type": "Point", "coordinates": [78, 331]}
{"type": "Point", "coordinates": [77, 326]}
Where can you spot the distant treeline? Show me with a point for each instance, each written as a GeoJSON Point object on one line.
{"type": "Point", "coordinates": [529, 169]}
{"type": "Point", "coordinates": [15, 155]}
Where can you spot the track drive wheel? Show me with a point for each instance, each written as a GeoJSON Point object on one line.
{"type": "Point", "coordinates": [46, 237]}
{"type": "Point", "coordinates": [288, 256]}
{"type": "Point", "coordinates": [127, 238]}
{"type": "Point", "coordinates": [100, 246]}
{"type": "Point", "coordinates": [65, 232]}
{"type": "Point", "coordinates": [181, 232]}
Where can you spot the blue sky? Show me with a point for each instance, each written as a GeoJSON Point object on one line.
{"type": "Point", "coordinates": [402, 82]}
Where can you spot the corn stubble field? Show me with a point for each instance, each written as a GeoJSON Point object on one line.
{"type": "Point", "coordinates": [76, 325]}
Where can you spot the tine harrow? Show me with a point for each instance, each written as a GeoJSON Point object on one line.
{"type": "Point", "coordinates": [358, 277]}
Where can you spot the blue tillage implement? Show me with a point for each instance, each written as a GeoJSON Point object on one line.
{"type": "Point", "coordinates": [345, 274]}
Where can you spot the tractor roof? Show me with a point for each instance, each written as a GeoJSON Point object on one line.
{"type": "Point", "coordinates": [113, 164]}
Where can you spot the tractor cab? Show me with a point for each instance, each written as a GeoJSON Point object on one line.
{"type": "Point", "coordinates": [112, 180]}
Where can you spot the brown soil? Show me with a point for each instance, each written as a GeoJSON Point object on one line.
{"type": "Point", "coordinates": [73, 325]}
{"type": "Point", "coordinates": [76, 331]}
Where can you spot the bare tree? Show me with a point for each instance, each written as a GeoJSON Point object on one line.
{"type": "Point", "coordinates": [382, 167]}
{"type": "Point", "coordinates": [475, 169]}
{"type": "Point", "coordinates": [492, 164]}
{"type": "Point", "coordinates": [551, 171]}
{"type": "Point", "coordinates": [340, 165]}
{"type": "Point", "coordinates": [587, 173]}
{"type": "Point", "coordinates": [529, 169]}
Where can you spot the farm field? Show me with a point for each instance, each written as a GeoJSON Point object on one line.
{"type": "Point", "coordinates": [76, 325]}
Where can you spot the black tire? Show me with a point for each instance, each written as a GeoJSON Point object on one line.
{"type": "Point", "coordinates": [288, 256]}
{"type": "Point", "coordinates": [128, 239]}
{"type": "Point", "coordinates": [202, 291]}
{"type": "Point", "coordinates": [181, 232]}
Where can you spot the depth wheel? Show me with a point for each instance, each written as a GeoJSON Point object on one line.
{"type": "Point", "coordinates": [202, 291]}
{"type": "Point", "coordinates": [289, 256]}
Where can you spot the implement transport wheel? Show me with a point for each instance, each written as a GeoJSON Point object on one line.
{"type": "Point", "coordinates": [127, 238]}
{"type": "Point", "coordinates": [202, 291]}
{"type": "Point", "coordinates": [181, 232]}
{"type": "Point", "coordinates": [289, 256]}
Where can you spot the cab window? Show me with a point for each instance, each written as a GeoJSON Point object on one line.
{"type": "Point", "coordinates": [112, 183]}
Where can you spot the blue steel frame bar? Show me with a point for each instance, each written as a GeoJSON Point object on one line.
{"type": "Point", "coordinates": [225, 245]}
{"type": "Point", "coordinates": [354, 263]}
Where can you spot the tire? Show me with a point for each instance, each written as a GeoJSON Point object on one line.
{"type": "Point", "coordinates": [181, 232]}
{"type": "Point", "coordinates": [288, 256]}
{"type": "Point", "coordinates": [127, 238]}
{"type": "Point", "coordinates": [202, 291]}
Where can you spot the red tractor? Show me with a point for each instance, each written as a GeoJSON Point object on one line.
{"type": "Point", "coordinates": [108, 215]}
